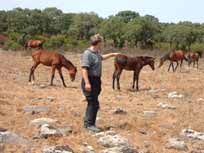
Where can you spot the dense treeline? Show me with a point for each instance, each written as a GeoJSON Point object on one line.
{"type": "Point", "coordinates": [70, 30]}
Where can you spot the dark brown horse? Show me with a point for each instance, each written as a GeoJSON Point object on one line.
{"type": "Point", "coordinates": [131, 64]}
{"type": "Point", "coordinates": [34, 44]}
{"type": "Point", "coordinates": [174, 56]}
{"type": "Point", "coordinates": [54, 60]}
{"type": "Point", "coordinates": [194, 57]}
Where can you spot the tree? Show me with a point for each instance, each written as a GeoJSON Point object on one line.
{"type": "Point", "coordinates": [114, 29]}
{"type": "Point", "coordinates": [84, 25]}
{"type": "Point", "coordinates": [3, 22]}
{"type": "Point", "coordinates": [127, 16]}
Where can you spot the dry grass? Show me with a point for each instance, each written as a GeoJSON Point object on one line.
{"type": "Point", "coordinates": [15, 93]}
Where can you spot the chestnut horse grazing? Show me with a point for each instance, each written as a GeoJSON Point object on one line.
{"type": "Point", "coordinates": [194, 57]}
{"type": "Point", "coordinates": [54, 60]}
{"type": "Point", "coordinates": [174, 56]}
{"type": "Point", "coordinates": [34, 44]}
{"type": "Point", "coordinates": [131, 64]}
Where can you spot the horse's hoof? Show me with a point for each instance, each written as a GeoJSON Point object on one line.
{"type": "Point", "coordinates": [31, 83]}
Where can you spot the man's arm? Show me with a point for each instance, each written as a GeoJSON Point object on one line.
{"type": "Point", "coordinates": [107, 56]}
{"type": "Point", "coordinates": [86, 79]}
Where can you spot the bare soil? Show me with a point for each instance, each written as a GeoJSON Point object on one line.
{"type": "Point", "coordinates": [150, 133]}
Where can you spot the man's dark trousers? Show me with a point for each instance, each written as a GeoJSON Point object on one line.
{"type": "Point", "coordinates": [92, 100]}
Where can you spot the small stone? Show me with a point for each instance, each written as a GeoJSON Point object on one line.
{"type": "Point", "coordinates": [119, 98]}
{"type": "Point", "coordinates": [150, 113]}
{"type": "Point", "coordinates": [174, 143]}
{"type": "Point", "coordinates": [42, 86]}
{"type": "Point", "coordinates": [65, 131]}
{"type": "Point", "coordinates": [58, 149]}
{"type": "Point", "coordinates": [200, 100]}
{"type": "Point", "coordinates": [155, 90]}
{"type": "Point", "coordinates": [166, 106]}
{"type": "Point", "coordinates": [174, 95]}
{"type": "Point", "coordinates": [8, 137]}
{"type": "Point", "coordinates": [110, 139]}
{"type": "Point", "coordinates": [47, 131]}
{"type": "Point", "coordinates": [61, 110]}
{"type": "Point", "coordinates": [85, 148]}
{"type": "Point", "coordinates": [119, 111]}
{"type": "Point", "coordinates": [189, 133]}
{"type": "Point", "coordinates": [101, 134]}
{"type": "Point", "coordinates": [143, 131]}
{"type": "Point", "coordinates": [50, 98]}
{"type": "Point", "coordinates": [41, 121]}
{"type": "Point", "coordinates": [36, 109]}
{"type": "Point", "coordinates": [120, 149]}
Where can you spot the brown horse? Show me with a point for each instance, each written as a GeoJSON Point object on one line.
{"type": "Point", "coordinates": [34, 44]}
{"type": "Point", "coordinates": [54, 60]}
{"type": "Point", "coordinates": [194, 57]}
{"type": "Point", "coordinates": [3, 39]}
{"type": "Point", "coordinates": [174, 56]}
{"type": "Point", "coordinates": [131, 64]}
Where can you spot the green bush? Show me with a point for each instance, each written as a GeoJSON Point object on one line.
{"type": "Point", "coordinates": [55, 42]}
{"type": "Point", "coordinates": [39, 37]}
{"type": "Point", "coordinates": [197, 46]}
{"type": "Point", "coordinates": [14, 36]}
{"type": "Point", "coordinates": [162, 46]}
{"type": "Point", "coordinates": [10, 44]}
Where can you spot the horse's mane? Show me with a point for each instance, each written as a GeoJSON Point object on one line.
{"type": "Point", "coordinates": [66, 62]}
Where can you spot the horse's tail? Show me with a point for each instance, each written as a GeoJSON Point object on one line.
{"type": "Point", "coordinates": [187, 59]}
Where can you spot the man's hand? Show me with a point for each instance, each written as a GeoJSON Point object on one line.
{"type": "Point", "coordinates": [115, 54]}
{"type": "Point", "coordinates": [107, 56]}
{"type": "Point", "coordinates": [88, 87]}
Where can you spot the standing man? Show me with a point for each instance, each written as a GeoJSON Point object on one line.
{"type": "Point", "coordinates": [91, 63]}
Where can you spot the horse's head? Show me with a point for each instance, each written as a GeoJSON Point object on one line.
{"type": "Point", "coordinates": [72, 73]}
{"type": "Point", "coordinates": [152, 63]}
{"type": "Point", "coordinates": [149, 61]}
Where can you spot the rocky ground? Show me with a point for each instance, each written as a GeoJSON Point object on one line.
{"type": "Point", "coordinates": [165, 116]}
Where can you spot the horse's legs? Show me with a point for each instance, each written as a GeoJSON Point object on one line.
{"type": "Point", "coordinates": [32, 70]}
{"type": "Point", "coordinates": [53, 75]}
{"type": "Point", "coordinates": [189, 63]}
{"type": "Point", "coordinates": [181, 63]}
{"type": "Point", "coordinates": [176, 66]}
{"type": "Point", "coordinates": [114, 76]}
{"type": "Point", "coordinates": [61, 76]}
{"type": "Point", "coordinates": [137, 77]}
{"type": "Point", "coordinates": [134, 79]}
{"type": "Point", "coordinates": [169, 66]}
{"type": "Point", "coordinates": [118, 78]}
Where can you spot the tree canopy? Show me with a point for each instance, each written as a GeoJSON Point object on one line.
{"type": "Point", "coordinates": [126, 27]}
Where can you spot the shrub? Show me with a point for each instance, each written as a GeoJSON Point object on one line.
{"type": "Point", "coordinates": [197, 46]}
{"type": "Point", "coordinates": [10, 44]}
{"type": "Point", "coordinates": [55, 42]}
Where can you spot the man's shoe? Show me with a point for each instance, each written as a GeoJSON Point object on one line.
{"type": "Point", "coordinates": [93, 129]}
